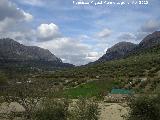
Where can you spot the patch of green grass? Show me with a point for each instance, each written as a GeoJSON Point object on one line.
{"type": "Point", "coordinates": [90, 89]}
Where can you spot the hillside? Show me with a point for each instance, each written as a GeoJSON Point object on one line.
{"type": "Point", "coordinates": [139, 71]}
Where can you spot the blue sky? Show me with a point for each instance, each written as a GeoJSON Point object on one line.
{"type": "Point", "coordinates": [77, 34]}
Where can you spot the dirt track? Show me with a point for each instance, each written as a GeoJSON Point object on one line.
{"type": "Point", "coordinates": [112, 111]}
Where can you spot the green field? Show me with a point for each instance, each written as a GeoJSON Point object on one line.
{"type": "Point", "coordinates": [94, 88]}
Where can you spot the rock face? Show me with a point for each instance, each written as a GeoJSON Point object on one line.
{"type": "Point", "coordinates": [150, 40]}
{"type": "Point", "coordinates": [10, 49]}
{"type": "Point", "coordinates": [117, 51]}
{"type": "Point", "coordinates": [14, 54]}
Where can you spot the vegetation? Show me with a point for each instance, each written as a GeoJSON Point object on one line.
{"type": "Point", "coordinates": [134, 65]}
{"type": "Point", "coordinates": [82, 109]}
{"type": "Point", "coordinates": [27, 95]}
{"type": "Point", "coordinates": [145, 108]}
{"type": "Point", "coordinates": [52, 110]}
{"type": "Point", "coordinates": [94, 88]}
{"type": "Point", "coordinates": [85, 110]}
{"type": "Point", "coordinates": [140, 69]}
{"type": "Point", "coordinates": [94, 80]}
{"type": "Point", "coordinates": [3, 79]}
{"type": "Point", "coordinates": [41, 103]}
{"type": "Point", "coordinates": [43, 94]}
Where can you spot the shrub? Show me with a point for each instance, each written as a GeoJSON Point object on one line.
{"type": "Point", "coordinates": [85, 110]}
{"type": "Point", "coordinates": [52, 110]}
{"type": "Point", "coordinates": [28, 95]}
{"type": "Point", "coordinates": [3, 79]}
{"type": "Point", "coordinates": [145, 108]}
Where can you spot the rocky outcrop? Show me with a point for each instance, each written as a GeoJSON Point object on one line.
{"type": "Point", "coordinates": [150, 40]}
{"type": "Point", "coordinates": [15, 55]}
{"type": "Point", "coordinates": [117, 51]}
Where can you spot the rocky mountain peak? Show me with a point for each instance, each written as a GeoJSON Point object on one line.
{"type": "Point", "coordinates": [117, 51]}
{"type": "Point", "coordinates": [150, 40]}
{"type": "Point", "coordinates": [121, 46]}
{"type": "Point", "coordinates": [11, 49]}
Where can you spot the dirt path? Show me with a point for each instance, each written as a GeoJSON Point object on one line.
{"type": "Point", "coordinates": [112, 111]}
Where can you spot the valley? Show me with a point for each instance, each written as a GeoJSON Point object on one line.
{"type": "Point", "coordinates": [103, 84]}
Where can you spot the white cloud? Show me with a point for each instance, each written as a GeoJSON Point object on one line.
{"type": "Point", "coordinates": [104, 33]}
{"type": "Point", "coordinates": [126, 36]}
{"type": "Point", "coordinates": [24, 37]}
{"type": "Point", "coordinates": [28, 16]}
{"type": "Point", "coordinates": [47, 32]}
{"type": "Point", "coordinates": [68, 49]}
{"type": "Point", "coordinates": [11, 15]}
{"type": "Point", "coordinates": [92, 56]}
{"type": "Point", "coordinates": [150, 26]}
{"type": "Point", "coordinates": [83, 37]}
{"type": "Point", "coordinates": [5, 24]}
{"type": "Point", "coordinates": [11, 11]}
{"type": "Point", "coordinates": [141, 35]}
{"type": "Point", "coordinates": [32, 2]}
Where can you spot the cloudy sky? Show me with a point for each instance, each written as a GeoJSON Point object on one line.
{"type": "Point", "coordinates": [77, 34]}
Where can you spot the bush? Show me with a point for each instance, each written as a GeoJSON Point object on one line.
{"type": "Point", "coordinates": [85, 110]}
{"type": "Point", "coordinates": [59, 110]}
{"type": "Point", "coordinates": [3, 79]}
{"type": "Point", "coordinates": [28, 95]}
{"type": "Point", "coordinates": [52, 110]}
{"type": "Point", "coordinates": [40, 105]}
{"type": "Point", "coordinates": [145, 108]}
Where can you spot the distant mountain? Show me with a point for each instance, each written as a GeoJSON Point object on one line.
{"type": "Point", "coordinates": [150, 40]}
{"type": "Point", "coordinates": [123, 49]}
{"type": "Point", "coordinates": [14, 52]}
{"type": "Point", "coordinates": [11, 49]}
{"type": "Point", "coordinates": [117, 51]}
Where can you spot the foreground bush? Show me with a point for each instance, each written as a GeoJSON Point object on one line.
{"type": "Point", "coordinates": [3, 79]}
{"type": "Point", "coordinates": [60, 110]}
{"type": "Point", "coordinates": [145, 108]}
{"type": "Point", "coordinates": [35, 98]}
{"type": "Point", "coordinates": [85, 110]}
{"type": "Point", "coordinates": [52, 110]}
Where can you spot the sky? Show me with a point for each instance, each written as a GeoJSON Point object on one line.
{"type": "Point", "coordinates": [77, 33]}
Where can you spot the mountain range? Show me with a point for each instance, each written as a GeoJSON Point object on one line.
{"type": "Point", "coordinates": [15, 54]}
{"type": "Point", "coordinates": [123, 49]}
